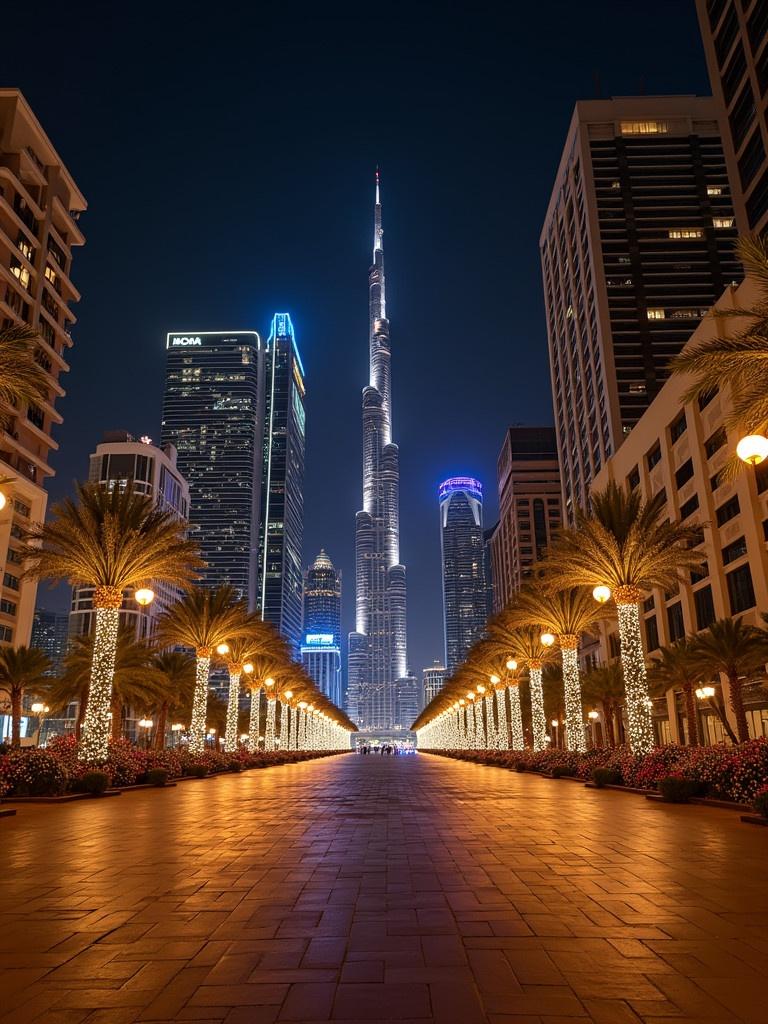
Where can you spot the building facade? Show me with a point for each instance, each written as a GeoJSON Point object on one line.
{"type": "Point", "coordinates": [50, 633]}
{"type": "Point", "coordinates": [736, 46]}
{"type": "Point", "coordinates": [213, 414]}
{"type": "Point", "coordinates": [39, 208]}
{"type": "Point", "coordinates": [377, 647]}
{"type": "Point", "coordinates": [408, 705]}
{"type": "Point", "coordinates": [433, 680]}
{"type": "Point", "coordinates": [530, 508]}
{"type": "Point", "coordinates": [462, 549]}
{"type": "Point", "coordinates": [637, 244]}
{"type": "Point", "coordinates": [153, 472]}
{"type": "Point", "coordinates": [281, 534]}
{"type": "Point", "coordinates": [678, 450]}
{"type": "Point", "coordinates": [321, 637]}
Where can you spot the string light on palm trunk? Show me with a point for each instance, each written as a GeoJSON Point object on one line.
{"type": "Point", "coordinates": [574, 712]}
{"type": "Point", "coordinates": [94, 745]}
{"type": "Point", "coordinates": [516, 735]}
{"type": "Point", "coordinates": [253, 721]}
{"type": "Point", "coordinates": [538, 719]}
{"type": "Point", "coordinates": [200, 701]}
{"type": "Point", "coordinates": [269, 731]}
{"type": "Point", "coordinates": [230, 736]}
{"type": "Point", "coordinates": [638, 703]}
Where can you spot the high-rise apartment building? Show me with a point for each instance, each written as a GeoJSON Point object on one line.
{"type": "Point", "coordinates": [213, 414]}
{"type": "Point", "coordinates": [433, 680]}
{"type": "Point", "coordinates": [465, 587]}
{"type": "Point", "coordinates": [377, 647]}
{"type": "Point", "coordinates": [39, 209]}
{"type": "Point", "coordinates": [636, 246]}
{"type": "Point", "coordinates": [50, 634]}
{"type": "Point", "coordinates": [321, 636]}
{"type": "Point", "coordinates": [153, 472]}
{"type": "Point", "coordinates": [736, 46]}
{"type": "Point", "coordinates": [530, 507]}
{"type": "Point", "coordinates": [279, 591]}
{"type": "Point", "coordinates": [408, 703]}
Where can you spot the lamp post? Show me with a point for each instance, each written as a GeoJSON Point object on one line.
{"type": "Point", "coordinates": [593, 717]}
{"type": "Point", "coordinates": [177, 728]}
{"type": "Point", "coordinates": [41, 710]}
{"type": "Point", "coordinates": [753, 449]}
{"type": "Point", "coordinates": [145, 724]}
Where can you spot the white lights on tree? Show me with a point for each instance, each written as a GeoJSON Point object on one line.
{"type": "Point", "coordinates": [230, 736]}
{"type": "Point", "coordinates": [200, 701]}
{"type": "Point", "coordinates": [538, 719]}
{"type": "Point", "coordinates": [96, 726]}
{"type": "Point", "coordinates": [269, 731]}
{"type": "Point", "coordinates": [253, 721]}
{"type": "Point", "coordinates": [574, 712]}
{"type": "Point", "coordinates": [516, 735]}
{"type": "Point", "coordinates": [638, 703]}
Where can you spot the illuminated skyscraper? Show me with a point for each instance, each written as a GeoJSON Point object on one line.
{"type": "Point", "coordinates": [465, 586]}
{"type": "Point", "coordinates": [321, 637]}
{"type": "Point", "coordinates": [279, 595]}
{"type": "Point", "coordinates": [377, 647]}
{"type": "Point", "coordinates": [213, 414]}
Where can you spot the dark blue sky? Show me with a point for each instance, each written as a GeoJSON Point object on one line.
{"type": "Point", "coordinates": [227, 157]}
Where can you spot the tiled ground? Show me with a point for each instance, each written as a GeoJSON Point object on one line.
{"type": "Point", "coordinates": [359, 889]}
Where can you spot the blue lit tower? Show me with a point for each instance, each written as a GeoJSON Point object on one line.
{"type": "Point", "coordinates": [377, 647]}
{"type": "Point", "coordinates": [321, 643]}
{"type": "Point", "coordinates": [280, 586]}
{"type": "Point", "coordinates": [465, 588]}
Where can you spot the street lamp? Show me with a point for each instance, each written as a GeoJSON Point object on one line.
{"type": "Point", "coordinates": [222, 648]}
{"type": "Point", "coordinates": [494, 679]}
{"type": "Point", "coordinates": [41, 710]}
{"type": "Point", "coordinates": [248, 668]}
{"type": "Point", "coordinates": [705, 692]}
{"type": "Point", "coordinates": [146, 724]}
{"type": "Point", "coordinates": [601, 593]}
{"type": "Point", "coordinates": [144, 596]}
{"type": "Point", "coordinates": [752, 449]}
{"type": "Point", "coordinates": [511, 665]}
{"type": "Point", "coordinates": [547, 639]}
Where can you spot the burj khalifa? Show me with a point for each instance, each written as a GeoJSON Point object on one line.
{"type": "Point", "coordinates": [377, 648]}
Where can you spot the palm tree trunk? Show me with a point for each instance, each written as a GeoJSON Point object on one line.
{"type": "Point", "coordinates": [200, 701]}
{"type": "Point", "coordinates": [574, 712]}
{"type": "Point", "coordinates": [269, 730]}
{"type": "Point", "coordinates": [610, 735]}
{"type": "Point", "coordinates": [82, 706]}
{"type": "Point", "coordinates": [538, 718]}
{"type": "Point", "coordinates": [15, 716]}
{"type": "Point", "coordinates": [641, 738]}
{"type": "Point", "coordinates": [253, 722]}
{"type": "Point", "coordinates": [737, 704]}
{"type": "Point", "coordinates": [691, 715]}
{"type": "Point", "coordinates": [230, 737]}
{"type": "Point", "coordinates": [720, 712]}
{"type": "Point", "coordinates": [95, 742]}
{"type": "Point", "coordinates": [162, 722]}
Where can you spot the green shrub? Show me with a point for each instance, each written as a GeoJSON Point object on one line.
{"type": "Point", "coordinates": [606, 777]}
{"type": "Point", "coordinates": [157, 776]}
{"type": "Point", "coordinates": [561, 771]}
{"type": "Point", "coordinates": [675, 789]}
{"type": "Point", "coordinates": [197, 771]}
{"type": "Point", "coordinates": [95, 782]}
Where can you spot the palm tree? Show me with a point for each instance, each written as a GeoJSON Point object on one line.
{"type": "Point", "coordinates": [677, 667]}
{"type": "Point", "coordinates": [135, 681]}
{"type": "Point", "coordinates": [22, 378]}
{"type": "Point", "coordinates": [268, 668]}
{"type": "Point", "coordinates": [566, 615]}
{"type": "Point", "coordinates": [605, 685]}
{"type": "Point", "coordinates": [523, 643]}
{"type": "Point", "coordinates": [203, 620]}
{"type": "Point", "coordinates": [735, 649]}
{"type": "Point", "coordinates": [111, 540]}
{"type": "Point", "coordinates": [176, 672]}
{"type": "Point", "coordinates": [21, 669]}
{"type": "Point", "coordinates": [259, 638]}
{"type": "Point", "coordinates": [624, 543]}
{"type": "Point", "coordinates": [740, 362]}
{"type": "Point", "coordinates": [554, 700]}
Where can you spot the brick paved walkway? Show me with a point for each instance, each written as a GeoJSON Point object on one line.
{"type": "Point", "coordinates": [355, 889]}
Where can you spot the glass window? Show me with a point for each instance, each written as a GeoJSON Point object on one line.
{"type": "Point", "coordinates": [675, 621]}
{"type": "Point", "coordinates": [684, 474]}
{"type": "Point", "coordinates": [728, 510]}
{"type": "Point", "coordinates": [634, 479]}
{"type": "Point", "coordinates": [678, 427]}
{"type": "Point", "coordinates": [689, 507]}
{"type": "Point", "coordinates": [651, 634]}
{"type": "Point", "coordinates": [715, 442]}
{"type": "Point", "coordinates": [735, 550]}
{"type": "Point", "coordinates": [705, 607]}
{"type": "Point", "coordinates": [741, 593]}
{"type": "Point", "coordinates": [653, 458]}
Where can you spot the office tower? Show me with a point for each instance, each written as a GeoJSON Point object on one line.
{"type": "Point", "coordinates": [120, 457]}
{"type": "Point", "coordinates": [281, 531]}
{"type": "Point", "coordinates": [465, 588]}
{"type": "Point", "coordinates": [530, 507]}
{"type": "Point", "coordinates": [636, 246]}
{"type": "Point", "coordinates": [213, 414]}
{"type": "Point", "coordinates": [433, 679]}
{"type": "Point", "coordinates": [321, 637]}
{"type": "Point", "coordinates": [39, 208]}
{"type": "Point", "coordinates": [407, 701]}
{"type": "Point", "coordinates": [490, 586]}
{"type": "Point", "coordinates": [736, 45]}
{"type": "Point", "coordinates": [50, 632]}
{"type": "Point", "coordinates": [377, 647]}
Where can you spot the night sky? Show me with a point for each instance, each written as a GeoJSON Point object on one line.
{"type": "Point", "coordinates": [227, 157]}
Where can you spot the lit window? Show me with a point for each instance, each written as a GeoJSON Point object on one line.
{"type": "Point", "coordinates": [686, 233]}
{"type": "Point", "coordinates": [644, 127]}
{"type": "Point", "coordinates": [50, 274]}
{"type": "Point", "coordinates": [722, 222]}
{"type": "Point", "coordinates": [656, 314]}
{"type": "Point", "coordinates": [637, 389]}
{"type": "Point", "coordinates": [714, 190]}
{"type": "Point", "coordinates": [615, 184]}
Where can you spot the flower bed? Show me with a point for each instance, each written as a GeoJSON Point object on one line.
{"type": "Point", "coordinates": [56, 769]}
{"type": "Point", "coordinates": [735, 773]}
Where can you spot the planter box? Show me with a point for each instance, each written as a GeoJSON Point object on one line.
{"type": "Point", "coordinates": [7, 812]}
{"type": "Point", "coordinates": [623, 789]}
{"type": "Point", "coordinates": [754, 819]}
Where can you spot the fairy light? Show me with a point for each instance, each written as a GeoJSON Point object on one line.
{"type": "Point", "coordinates": [491, 731]}
{"type": "Point", "coordinates": [538, 719]}
{"type": "Point", "coordinates": [638, 704]}
{"type": "Point", "coordinates": [94, 745]}
{"type": "Point", "coordinates": [200, 701]}
{"type": "Point", "coordinates": [253, 721]}
{"type": "Point", "coordinates": [230, 736]}
{"type": "Point", "coordinates": [516, 736]}
{"type": "Point", "coordinates": [269, 731]}
{"type": "Point", "coordinates": [574, 712]}
{"type": "Point", "coordinates": [502, 733]}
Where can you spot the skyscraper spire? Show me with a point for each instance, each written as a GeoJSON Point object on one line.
{"type": "Point", "coordinates": [377, 648]}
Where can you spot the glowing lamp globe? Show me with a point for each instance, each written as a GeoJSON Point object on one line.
{"type": "Point", "coordinates": [37, 709]}
{"type": "Point", "coordinates": [248, 668]}
{"type": "Point", "coordinates": [480, 688]}
{"type": "Point", "coordinates": [269, 681]}
{"type": "Point", "coordinates": [494, 679]}
{"type": "Point", "coordinates": [144, 596]}
{"type": "Point", "coordinates": [288, 694]}
{"type": "Point", "coordinates": [3, 501]}
{"type": "Point", "coordinates": [222, 648]}
{"type": "Point", "coordinates": [547, 639]}
{"type": "Point", "coordinates": [601, 594]}
{"type": "Point", "coordinates": [593, 715]}
{"type": "Point", "coordinates": [753, 449]}
{"type": "Point", "coordinates": [470, 695]}
{"type": "Point", "coordinates": [302, 704]}
{"type": "Point", "coordinates": [511, 664]}
{"type": "Point", "coordinates": [462, 702]}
